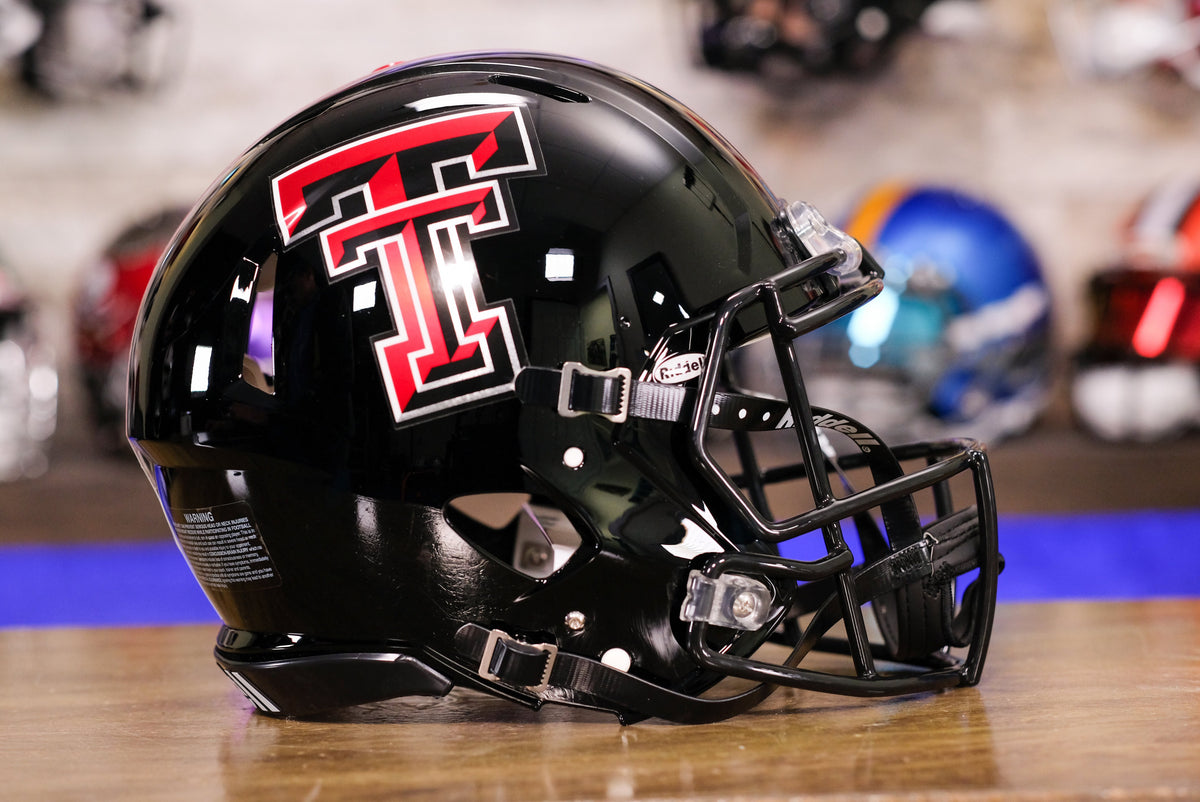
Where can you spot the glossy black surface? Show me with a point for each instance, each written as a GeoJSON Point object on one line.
{"type": "Point", "coordinates": [286, 447]}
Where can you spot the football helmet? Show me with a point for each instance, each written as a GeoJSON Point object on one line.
{"type": "Point", "coordinates": [1163, 232]}
{"type": "Point", "coordinates": [782, 38]}
{"type": "Point", "coordinates": [1137, 378]}
{"type": "Point", "coordinates": [1118, 38]}
{"type": "Point", "coordinates": [433, 388]}
{"type": "Point", "coordinates": [28, 385]}
{"type": "Point", "coordinates": [104, 313]}
{"type": "Point", "coordinates": [87, 48]}
{"type": "Point", "coordinates": [959, 337]}
{"type": "Point", "coordinates": [20, 27]}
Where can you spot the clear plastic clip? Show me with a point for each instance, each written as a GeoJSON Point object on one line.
{"type": "Point", "coordinates": [818, 236]}
{"type": "Point", "coordinates": [738, 602]}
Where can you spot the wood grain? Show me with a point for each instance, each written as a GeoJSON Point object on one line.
{"type": "Point", "coordinates": [1079, 701]}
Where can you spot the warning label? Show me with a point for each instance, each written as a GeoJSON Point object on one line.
{"type": "Point", "coordinates": [223, 547]}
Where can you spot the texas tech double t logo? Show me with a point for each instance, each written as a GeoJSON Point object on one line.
{"type": "Point", "coordinates": [407, 202]}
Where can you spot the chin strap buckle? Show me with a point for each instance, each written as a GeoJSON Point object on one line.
{"type": "Point", "coordinates": [584, 391]}
{"type": "Point", "coordinates": [513, 662]}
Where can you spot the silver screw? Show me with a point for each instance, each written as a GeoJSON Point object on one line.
{"type": "Point", "coordinates": [745, 604]}
{"type": "Point", "coordinates": [575, 620]}
{"type": "Point", "coordinates": [573, 458]}
{"type": "Point", "coordinates": [535, 555]}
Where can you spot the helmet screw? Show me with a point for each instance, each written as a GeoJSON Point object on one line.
{"type": "Point", "coordinates": [744, 605]}
{"type": "Point", "coordinates": [575, 621]}
{"type": "Point", "coordinates": [535, 555]}
{"type": "Point", "coordinates": [574, 458]}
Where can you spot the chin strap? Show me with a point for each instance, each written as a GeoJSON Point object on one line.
{"type": "Point", "coordinates": [912, 593]}
{"type": "Point", "coordinates": [910, 570]}
{"type": "Point", "coordinates": [913, 598]}
{"type": "Point", "coordinates": [576, 390]}
{"type": "Point", "coordinates": [541, 673]}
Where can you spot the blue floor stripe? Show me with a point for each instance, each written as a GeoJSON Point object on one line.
{"type": "Point", "coordinates": [99, 585]}
{"type": "Point", "coordinates": [1125, 555]}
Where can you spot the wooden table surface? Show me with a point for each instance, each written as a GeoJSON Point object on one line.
{"type": "Point", "coordinates": [1078, 701]}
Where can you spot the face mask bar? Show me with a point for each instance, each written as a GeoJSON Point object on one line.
{"type": "Point", "coordinates": [812, 231]}
{"type": "Point", "coordinates": [976, 535]}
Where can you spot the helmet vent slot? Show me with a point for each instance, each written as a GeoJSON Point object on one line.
{"type": "Point", "coordinates": [540, 87]}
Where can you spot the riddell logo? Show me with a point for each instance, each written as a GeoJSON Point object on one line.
{"type": "Point", "coordinates": [861, 439]}
{"type": "Point", "coordinates": [826, 420]}
{"type": "Point", "coordinates": [407, 202]}
{"type": "Point", "coordinates": [678, 368]}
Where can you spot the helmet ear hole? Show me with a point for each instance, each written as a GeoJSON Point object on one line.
{"type": "Point", "coordinates": [531, 536]}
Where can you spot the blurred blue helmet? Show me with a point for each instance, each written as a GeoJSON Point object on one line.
{"type": "Point", "coordinates": [959, 337]}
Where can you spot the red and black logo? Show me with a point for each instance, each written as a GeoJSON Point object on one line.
{"type": "Point", "coordinates": [407, 202]}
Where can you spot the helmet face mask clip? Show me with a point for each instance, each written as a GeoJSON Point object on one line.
{"type": "Point", "coordinates": [502, 444]}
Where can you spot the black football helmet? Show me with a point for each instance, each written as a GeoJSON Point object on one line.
{"type": "Point", "coordinates": [433, 388]}
{"type": "Point", "coordinates": [85, 49]}
{"type": "Point", "coordinates": [785, 39]}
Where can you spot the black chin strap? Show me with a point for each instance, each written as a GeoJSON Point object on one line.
{"type": "Point", "coordinates": [575, 390]}
{"type": "Point", "coordinates": [914, 629]}
{"type": "Point", "coordinates": [910, 571]}
{"type": "Point", "coordinates": [538, 673]}
{"type": "Point", "coordinates": [541, 673]}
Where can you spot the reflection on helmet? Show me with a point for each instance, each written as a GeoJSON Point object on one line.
{"type": "Point", "coordinates": [958, 338]}
{"type": "Point", "coordinates": [28, 386]}
{"type": "Point", "coordinates": [105, 312]}
{"type": "Point", "coordinates": [434, 390]}
{"type": "Point", "coordinates": [1136, 378]}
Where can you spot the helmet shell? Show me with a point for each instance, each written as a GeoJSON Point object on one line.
{"type": "Point", "coordinates": [313, 461]}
